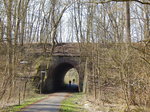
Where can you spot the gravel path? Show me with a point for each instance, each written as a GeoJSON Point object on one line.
{"type": "Point", "coordinates": [50, 104]}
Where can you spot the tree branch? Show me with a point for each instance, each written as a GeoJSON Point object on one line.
{"type": "Point", "coordinates": [102, 2]}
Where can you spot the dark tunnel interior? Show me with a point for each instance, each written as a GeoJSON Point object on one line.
{"type": "Point", "coordinates": [58, 79]}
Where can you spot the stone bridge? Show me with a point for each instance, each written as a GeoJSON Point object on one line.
{"type": "Point", "coordinates": [65, 57]}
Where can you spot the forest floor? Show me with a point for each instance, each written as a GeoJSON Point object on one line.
{"type": "Point", "coordinates": [15, 106]}
{"type": "Point", "coordinates": [68, 102]}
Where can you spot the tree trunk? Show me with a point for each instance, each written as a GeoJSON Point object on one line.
{"type": "Point", "coordinates": [128, 35]}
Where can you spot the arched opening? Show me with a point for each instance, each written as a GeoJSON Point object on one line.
{"type": "Point", "coordinates": [71, 80]}
{"type": "Point", "coordinates": [60, 81]}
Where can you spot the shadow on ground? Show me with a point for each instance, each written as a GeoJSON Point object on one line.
{"type": "Point", "coordinates": [72, 88]}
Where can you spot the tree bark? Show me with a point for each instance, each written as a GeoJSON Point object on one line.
{"type": "Point", "coordinates": [128, 35]}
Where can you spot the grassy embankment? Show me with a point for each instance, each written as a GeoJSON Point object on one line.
{"type": "Point", "coordinates": [73, 104]}
{"type": "Point", "coordinates": [17, 108]}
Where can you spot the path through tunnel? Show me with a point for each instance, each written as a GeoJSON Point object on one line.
{"type": "Point", "coordinates": [65, 78]}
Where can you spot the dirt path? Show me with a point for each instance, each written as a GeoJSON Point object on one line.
{"type": "Point", "coordinates": [50, 104]}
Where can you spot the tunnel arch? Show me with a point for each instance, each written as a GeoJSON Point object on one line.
{"type": "Point", "coordinates": [57, 70]}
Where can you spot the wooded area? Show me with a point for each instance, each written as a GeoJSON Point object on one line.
{"type": "Point", "coordinates": [113, 37]}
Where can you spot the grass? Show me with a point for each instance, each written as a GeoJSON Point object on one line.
{"type": "Point", "coordinates": [17, 108]}
{"type": "Point", "coordinates": [71, 104]}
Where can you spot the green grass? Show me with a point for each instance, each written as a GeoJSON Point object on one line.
{"type": "Point", "coordinates": [17, 108]}
{"type": "Point", "coordinates": [71, 104]}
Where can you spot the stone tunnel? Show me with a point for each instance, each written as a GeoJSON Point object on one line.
{"type": "Point", "coordinates": [59, 66]}
{"type": "Point", "coordinates": [65, 57]}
